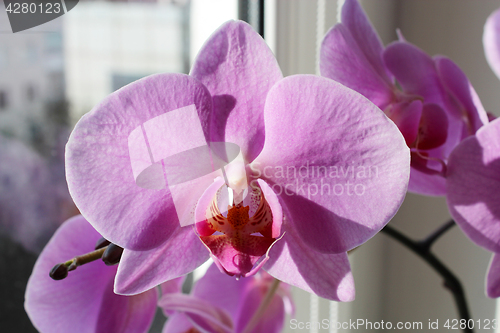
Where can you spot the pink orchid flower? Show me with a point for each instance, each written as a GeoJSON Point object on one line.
{"type": "Point", "coordinates": [326, 168]}
{"type": "Point", "coordinates": [219, 303]}
{"type": "Point", "coordinates": [430, 99]}
{"type": "Point", "coordinates": [84, 301]}
{"type": "Point", "coordinates": [491, 41]}
{"type": "Point", "coordinates": [473, 178]}
{"type": "Point", "coordinates": [473, 183]}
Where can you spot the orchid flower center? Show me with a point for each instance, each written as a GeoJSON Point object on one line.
{"type": "Point", "coordinates": [238, 222]}
{"type": "Point", "coordinates": [239, 238]}
{"type": "Point", "coordinates": [238, 217]}
{"type": "Point", "coordinates": [424, 127]}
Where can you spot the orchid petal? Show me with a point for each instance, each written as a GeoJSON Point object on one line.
{"type": "Point", "coordinates": [172, 286]}
{"type": "Point", "coordinates": [98, 162]}
{"type": "Point", "coordinates": [470, 109]}
{"type": "Point", "coordinates": [491, 41]}
{"type": "Point", "coordinates": [406, 116]}
{"type": "Point", "coordinates": [238, 68]}
{"type": "Point", "coordinates": [177, 323]}
{"type": "Point", "coordinates": [142, 270]}
{"type": "Point", "coordinates": [241, 298]}
{"type": "Point", "coordinates": [473, 180]}
{"type": "Point", "coordinates": [342, 131]}
{"type": "Point", "coordinates": [355, 19]}
{"type": "Point", "coordinates": [126, 313]}
{"type": "Point", "coordinates": [433, 129]}
{"type": "Point", "coordinates": [271, 321]}
{"type": "Point", "coordinates": [84, 299]}
{"type": "Point", "coordinates": [296, 263]}
{"type": "Point", "coordinates": [209, 288]}
{"type": "Point", "coordinates": [200, 312]}
{"type": "Point", "coordinates": [343, 60]}
{"type": "Point", "coordinates": [415, 71]}
{"type": "Point", "coordinates": [216, 295]}
{"type": "Point", "coordinates": [423, 182]}
{"type": "Point", "coordinates": [351, 53]}
{"type": "Point", "coordinates": [493, 277]}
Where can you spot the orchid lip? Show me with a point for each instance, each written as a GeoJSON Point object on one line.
{"type": "Point", "coordinates": [239, 239]}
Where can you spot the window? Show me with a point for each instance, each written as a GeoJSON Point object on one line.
{"type": "Point", "coordinates": [121, 80]}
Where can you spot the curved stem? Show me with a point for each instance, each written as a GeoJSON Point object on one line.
{"type": "Point", "coordinates": [429, 241]}
{"type": "Point", "coordinates": [422, 249]}
{"type": "Point", "coordinates": [85, 258]}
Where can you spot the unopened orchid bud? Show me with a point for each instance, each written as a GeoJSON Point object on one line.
{"type": "Point", "coordinates": [59, 272]}
{"type": "Point", "coordinates": [102, 242]}
{"type": "Point", "coordinates": [112, 255]}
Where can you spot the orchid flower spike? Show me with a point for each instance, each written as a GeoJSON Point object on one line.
{"type": "Point", "coordinates": [430, 99]}
{"type": "Point", "coordinates": [280, 174]}
{"type": "Point", "coordinates": [83, 301]}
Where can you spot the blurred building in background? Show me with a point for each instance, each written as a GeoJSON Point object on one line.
{"type": "Point", "coordinates": [34, 127]}
{"type": "Point", "coordinates": [31, 83]}
{"type": "Point", "coordinates": [110, 44]}
{"type": "Point", "coordinates": [50, 75]}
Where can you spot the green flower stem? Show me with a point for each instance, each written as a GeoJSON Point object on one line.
{"type": "Point", "coordinates": [85, 258]}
